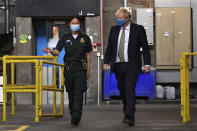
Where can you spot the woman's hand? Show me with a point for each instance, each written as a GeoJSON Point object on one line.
{"type": "Point", "coordinates": [88, 57]}
{"type": "Point", "coordinates": [47, 50]}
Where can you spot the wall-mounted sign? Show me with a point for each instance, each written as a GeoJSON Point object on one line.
{"type": "Point", "coordinates": [23, 38]}
{"type": "Point", "coordinates": [55, 8]}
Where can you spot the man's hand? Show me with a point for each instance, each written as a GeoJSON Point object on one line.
{"type": "Point", "coordinates": [47, 50]}
{"type": "Point", "coordinates": [105, 67]}
{"type": "Point", "coordinates": [88, 75]}
{"type": "Point", "coordinates": [146, 69]}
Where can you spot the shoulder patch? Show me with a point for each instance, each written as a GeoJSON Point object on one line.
{"type": "Point", "coordinates": [82, 40]}
{"type": "Point", "coordinates": [65, 34]}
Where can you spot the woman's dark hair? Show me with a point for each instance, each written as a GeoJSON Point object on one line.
{"type": "Point", "coordinates": [78, 18]}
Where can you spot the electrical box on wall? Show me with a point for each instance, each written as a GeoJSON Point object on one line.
{"type": "Point", "coordinates": [1, 90]}
{"type": "Point", "coordinates": [2, 21]}
{"type": "Point", "coordinates": [145, 18]}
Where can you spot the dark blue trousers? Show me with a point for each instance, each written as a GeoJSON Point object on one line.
{"type": "Point", "coordinates": [127, 79]}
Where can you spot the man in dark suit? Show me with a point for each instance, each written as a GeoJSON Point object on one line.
{"type": "Point", "coordinates": [124, 55]}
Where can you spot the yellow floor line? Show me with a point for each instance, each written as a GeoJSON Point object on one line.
{"type": "Point", "coordinates": [22, 128]}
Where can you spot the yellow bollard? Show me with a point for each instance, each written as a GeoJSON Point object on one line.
{"type": "Point", "coordinates": [187, 89]}
{"type": "Point", "coordinates": [55, 84]}
{"type": "Point", "coordinates": [185, 95]}
{"type": "Point", "coordinates": [4, 89]}
{"type": "Point", "coordinates": [181, 85]}
{"type": "Point", "coordinates": [37, 92]}
{"type": "Point", "coordinates": [62, 92]}
{"type": "Point", "coordinates": [12, 83]}
{"type": "Point", "coordinates": [40, 87]}
{"type": "Point", "coordinates": [184, 91]}
{"type": "Point", "coordinates": [62, 103]}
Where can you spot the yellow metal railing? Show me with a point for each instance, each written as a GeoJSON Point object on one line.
{"type": "Point", "coordinates": [185, 97]}
{"type": "Point", "coordinates": [1, 59]}
{"type": "Point", "coordinates": [38, 61]}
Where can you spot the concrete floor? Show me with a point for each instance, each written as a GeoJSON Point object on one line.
{"type": "Point", "coordinates": [149, 117]}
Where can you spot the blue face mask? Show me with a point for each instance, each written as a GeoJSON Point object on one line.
{"type": "Point", "coordinates": [120, 22]}
{"type": "Point", "coordinates": [75, 27]}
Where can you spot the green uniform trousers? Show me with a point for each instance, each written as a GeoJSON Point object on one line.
{"type": "Point", "coordinates": [75, 86]}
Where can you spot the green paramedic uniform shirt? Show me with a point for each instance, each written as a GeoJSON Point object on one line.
{"type": "Point", "coordinates": [75, 49]}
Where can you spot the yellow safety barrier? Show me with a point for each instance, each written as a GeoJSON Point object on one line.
{"type": "Point", "coordinates": [184, 86]}
{"type": "Point", "coordinates": [1, 59]}
{"type": "Point", "coordinates": [38, 88]}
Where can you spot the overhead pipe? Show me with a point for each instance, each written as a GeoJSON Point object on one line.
{"type": "Point", "coordinates": [125, 3]}
{"type": "Point", "coordinates": [101, 13]}
{"type": "Point", "coordinates": [100, 54]}
{"type": "Point", "coordinates": [7, 16]}
{"type": "Point", "coordinates": [98, 92]}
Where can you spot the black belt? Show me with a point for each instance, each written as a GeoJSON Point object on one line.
{"type": "Point", "coordinates": [121, 63]}
{"type": "Point", "coordinates": [73, 62]}
{"type": "Point", "coordinates": [75, 65]}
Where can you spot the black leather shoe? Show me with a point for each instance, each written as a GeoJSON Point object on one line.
{"type": "Point", "coordinates": [130, 121]}
{"type": "Point", "coordinates": [75, 121]}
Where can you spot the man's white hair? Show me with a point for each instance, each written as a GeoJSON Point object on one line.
{"type": "Point", "coordinates": [125, 11]}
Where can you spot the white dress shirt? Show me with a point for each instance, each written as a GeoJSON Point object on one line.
{"type": "Point", "coordinates": [126, 42]}
{"type": "Point", "coordinates": [75, 36]}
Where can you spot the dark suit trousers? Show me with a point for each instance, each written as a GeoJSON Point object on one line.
{"type": "Point", "coordinates": [127, 79]}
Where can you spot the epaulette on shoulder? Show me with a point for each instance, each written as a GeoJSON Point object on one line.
{"type": "Point", "coordinates": [65, 34]}
{"type": "Point", "coordinates": [83, 33]}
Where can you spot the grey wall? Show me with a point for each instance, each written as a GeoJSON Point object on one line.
{"type": "Point", "coordinates": [194, 70]}
{"type": "Point", "coordinates": [2, 21]}
{"type": "Point", "coordinates": [24, 25]}
{"type": "Point", "coordinates": [172, 3]}
{"type": "Point", "coordinates": [163, 76]}
{"type": "Point", "coordinates": [173, 76]}
{"type": "Point", "coordinates": [109, 9]}
{"type": "Point", "coordinates": [24, 72]}
{"type": "Point", "coordinates": [93, 29]}
{"type": "Point", "coordinates": [109, 19]}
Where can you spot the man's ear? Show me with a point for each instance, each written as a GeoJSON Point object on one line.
{"type": "Point", "coordinates": [128, 19]}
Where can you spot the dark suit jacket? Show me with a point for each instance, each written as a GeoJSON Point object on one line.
{"type": "Point", "coordinates": [137, 39]}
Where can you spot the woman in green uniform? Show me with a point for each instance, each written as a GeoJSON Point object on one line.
{"type": "Point", "coordinates": [77, 60]}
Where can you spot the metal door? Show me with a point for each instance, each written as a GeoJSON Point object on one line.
{"type": "Point", "coordinates": [145, 18]}
{"type": "Point", "coordinates": [173, 36]}
{"type": "Point", "coordinates": [164, 37]}
{"type": "Point", "coordinates": [182, 32]}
